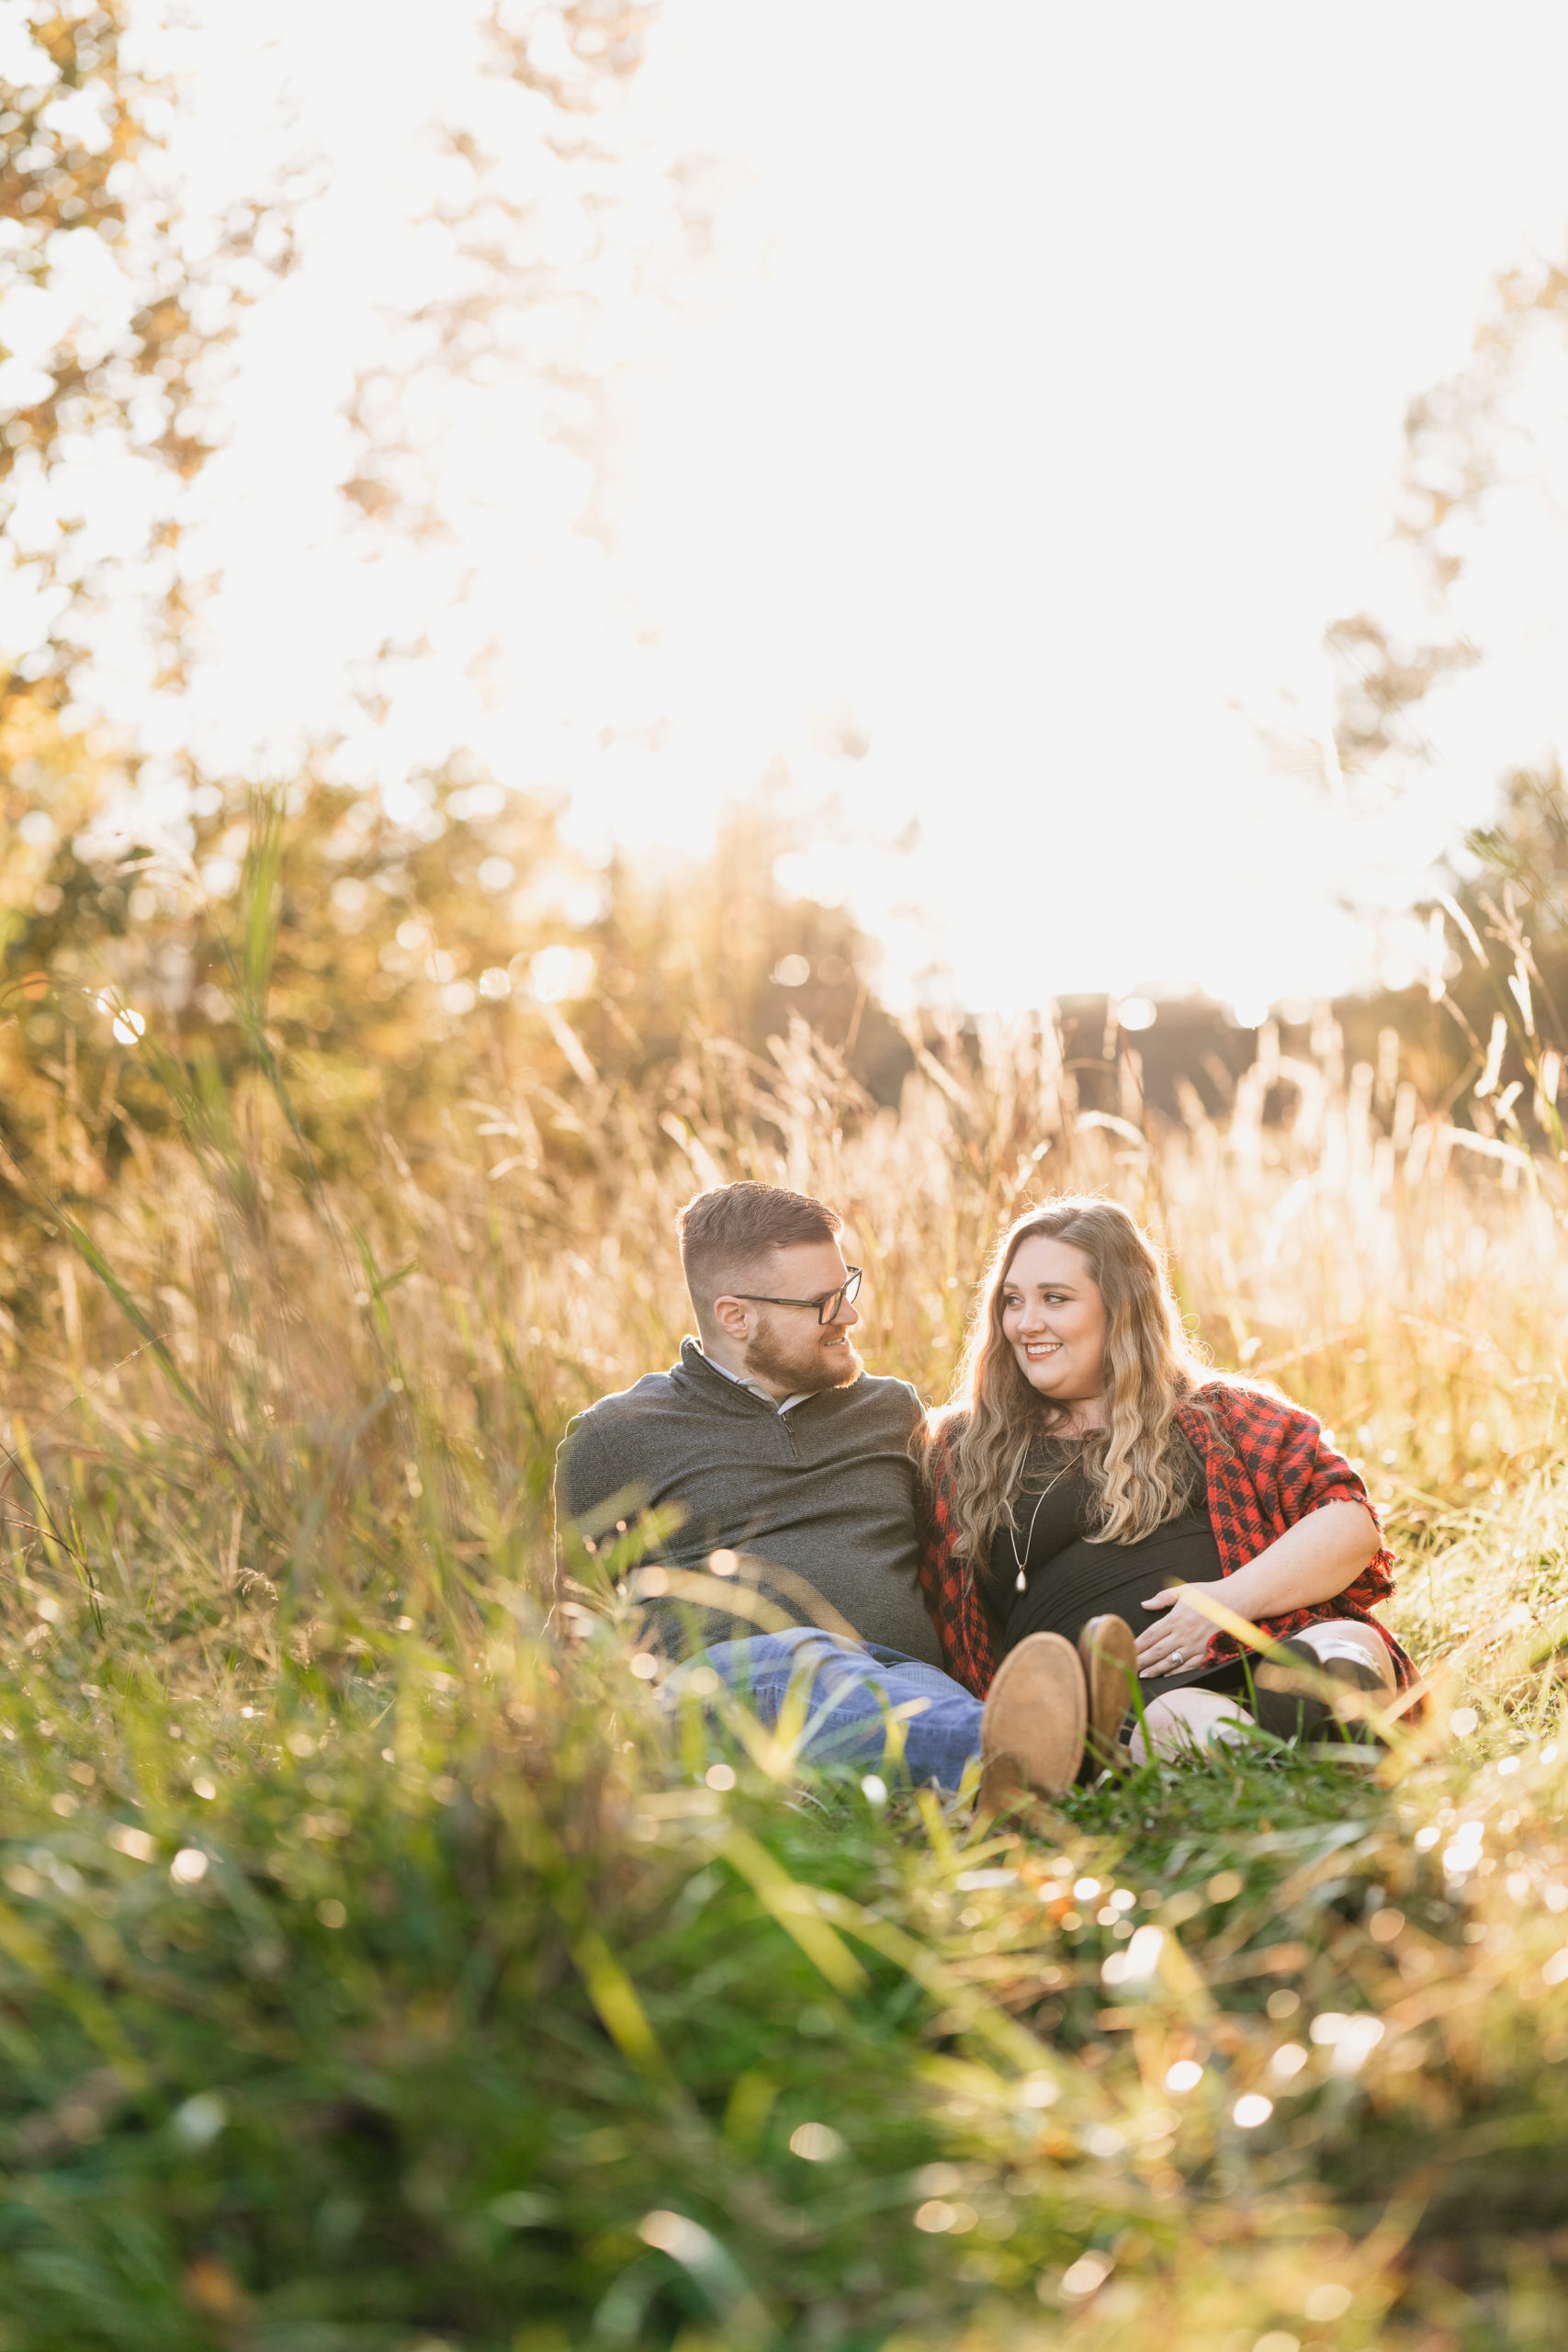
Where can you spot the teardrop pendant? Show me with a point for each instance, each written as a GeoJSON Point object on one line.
{"type": "Point", "coordinates": [1023, 1585]}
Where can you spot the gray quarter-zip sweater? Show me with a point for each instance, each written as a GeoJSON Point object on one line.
{"type": "Point", "coordinates": [826, 1489]}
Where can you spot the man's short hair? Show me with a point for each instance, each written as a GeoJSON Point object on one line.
{"type": "Point", "coordinates": [726, 1231]}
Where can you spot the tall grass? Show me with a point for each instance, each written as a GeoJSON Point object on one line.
{"type": "Point", "coordinates": [382, 1964]}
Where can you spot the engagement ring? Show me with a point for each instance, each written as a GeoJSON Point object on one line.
{"type": "Point", "coordinates": [1177, 1656]}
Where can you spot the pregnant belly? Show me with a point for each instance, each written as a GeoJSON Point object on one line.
{"type": "Point", "coordinates": [1112, 1580]}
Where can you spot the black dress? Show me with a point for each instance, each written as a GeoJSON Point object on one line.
{"type": "Point", "coordinates": [1067, 1579]}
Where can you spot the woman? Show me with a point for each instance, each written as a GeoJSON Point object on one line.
{"type": "Point", "coordinates": [1091, 1472]}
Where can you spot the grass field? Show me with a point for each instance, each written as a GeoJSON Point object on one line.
{"type": "Point", "coordinates": [382, 1968]}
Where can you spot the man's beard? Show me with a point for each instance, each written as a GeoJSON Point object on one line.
{"type": "Point", "coordinates": [807, 1369]}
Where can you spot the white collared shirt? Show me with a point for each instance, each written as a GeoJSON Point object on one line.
{"type": "Point", "coordinates": [756, 1388]}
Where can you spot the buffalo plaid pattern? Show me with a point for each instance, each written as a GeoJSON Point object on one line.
{"type": "Point", "coordinates": [1267, 1465]}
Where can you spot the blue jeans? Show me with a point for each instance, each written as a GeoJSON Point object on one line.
{"type": "Point", "coordinates": [853, 1696]}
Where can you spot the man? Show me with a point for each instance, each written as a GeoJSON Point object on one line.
{"type": "Point", "coordinates": [773, 1441]}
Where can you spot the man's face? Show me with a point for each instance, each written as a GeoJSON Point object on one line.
{"type": "Point", "coordinates": [786, 1347]}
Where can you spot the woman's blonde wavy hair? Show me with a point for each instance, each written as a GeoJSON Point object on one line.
{"type": "Point", "coordinates": [1141, 1469]}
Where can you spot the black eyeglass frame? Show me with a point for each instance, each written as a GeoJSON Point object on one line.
{"type": "Point", "coordinates": [845, 1294]}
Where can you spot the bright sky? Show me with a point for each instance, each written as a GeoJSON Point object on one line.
{"type": "Point", "coordinates": [1039, 407]}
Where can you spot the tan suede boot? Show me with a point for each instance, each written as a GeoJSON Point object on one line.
{"type": "Point", "coordinates": [1109, 1658]}
{"type": "Point", "coordinates": [1032, 1732]}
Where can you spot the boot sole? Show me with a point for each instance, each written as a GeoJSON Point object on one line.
{"type": "Point", "coordinates": [1108, 1652]}
{"type": "Point", "coordinates": [1032, 1732]}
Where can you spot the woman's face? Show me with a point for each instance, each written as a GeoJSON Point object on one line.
{"type": "Point", "coordinates": [1053, 1320]}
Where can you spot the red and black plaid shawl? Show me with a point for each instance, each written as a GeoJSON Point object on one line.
{"type": "Point", "coordinates": [1266, 1465]}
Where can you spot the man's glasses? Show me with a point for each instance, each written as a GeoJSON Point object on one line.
{"type": "Point", "coordinates": [826, 1306]}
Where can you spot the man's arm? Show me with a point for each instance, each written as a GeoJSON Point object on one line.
{"type": "Point", "coordinates": [588, 1476]}
{"type": "Point", "coordinates": [574, 1479]}
{"type": "Point", "coordinates": [584, 1483]}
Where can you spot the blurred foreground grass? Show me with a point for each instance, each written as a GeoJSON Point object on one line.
{"type": "Point", "coordinates": [380, 1966]}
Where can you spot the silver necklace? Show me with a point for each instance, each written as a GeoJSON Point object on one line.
{"type": "Point", "coordinates": [1018, 1557]}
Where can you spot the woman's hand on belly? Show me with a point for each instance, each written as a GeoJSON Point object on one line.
{"type": "Point", "coordinates": [1183, 1633]}
{"type": "Point", "coordinates": [1312, 1561]}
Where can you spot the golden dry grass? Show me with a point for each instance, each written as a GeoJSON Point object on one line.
{"type": "Point", "coordinates": [281, 1462]}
